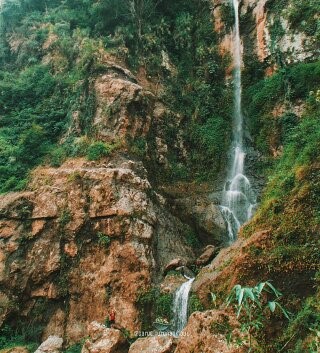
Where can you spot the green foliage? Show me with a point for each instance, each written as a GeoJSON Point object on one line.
{"type": "Point", "coordinates": [251, 305]}
{"type": "Point", "coordinates": [163, 306]}
{"type": "Point", "coordinates": [57, 156]}
{"type": "Point", "coordinates": [153, 304]}
{"type": "Point", "coordinates": [104, 239]}
{"type": "Point", "coordinates": [304, 16]}
{"type": "Point", "coordinates": [27, 335]}
{"type": "Point", "coordinates": [98, 150]}
{"type": "Point", "coordinates": [195, 304]}
{"type": "Point", "coordinates": [76, 348]}
{"type": "Point", "coordinates": [64, 218]}
{"type": "Point", "coordinates": [139, 147]}
{"type": "Point", "coordinates": [286, 86]}
{"type": "Point", "coordinates": [304, 328]}
{"type": "Point", "coordinates": [227, 15]}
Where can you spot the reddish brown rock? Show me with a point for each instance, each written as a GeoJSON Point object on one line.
{"type": "Point", "coordinates": [172, 265]}
{"type": "Point", "coordinates": [90, 240]}
{"type": "Point", "coordinates": [206, 256]}
{"type": "Point", "coordinates": [104, 340]}
{"type": "Point", "coordinates": [155, 344]}
{"type": "Point", "coordinates": [202, 334]}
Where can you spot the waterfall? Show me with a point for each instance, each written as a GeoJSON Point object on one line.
{"type": "Point", "coordinates": [238, 198]}
{"type": "Point", "coordinates": [180, 306]}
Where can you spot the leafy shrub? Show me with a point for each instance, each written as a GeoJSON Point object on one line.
{"type": "Point", "coordinates": [98, 150]}
{"type": "Point", "coordinates": [195, 304]}
{"type": "Point", "coordinates": [104, 239]}
{"type": "Point", "coordinates": [75, 348]}
{"type": "Point", "coordinates": [57, 156]}
{"type": "Point", "coordinates": [251, 305]}
{"type": "Point", "coordinates": [163, 306]}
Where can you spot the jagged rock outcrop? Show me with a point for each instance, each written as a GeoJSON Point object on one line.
{"type": "Point", "coordinates": [104, 340]}
{"type": "Point", "coordinates": [294, 45]}
{"type": "Point", "coordinates": [87, 237]}
{"type": "Point", "coordinates": [154, 344]}
{"type": "Point", "coordinates": [124, 108]}
{"type": "Point", "coordinates": [208, 254]}
{"type": "Point", "coordinates": [206, 332]}
{"type": "Point", "coordinates": [53, 344]}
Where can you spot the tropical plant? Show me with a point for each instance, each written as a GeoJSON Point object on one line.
{"type": "Point", "coordinates": [252, 304]}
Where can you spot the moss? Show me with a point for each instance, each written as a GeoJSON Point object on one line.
{"type": "Point", "coordinates": [195, 304]}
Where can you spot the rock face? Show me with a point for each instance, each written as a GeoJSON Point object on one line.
{"type": "Point", "coordinates": [205, 332]}
{"type": "Point", "coordinates": [52, 345]}
{"type": "Point", "coordinates": [294, 45]}
{"type": "Point", "coordinates": [87, 238]}
{"type": "Point", "coordinates": [124, 109]}
{"type": "Point", "coordinates": [258, 33]}
{"type": "Point", "coordinates": [206, 256]}
{"type": "Point", "coordinates": [155, 344]}
{"type": "Point", "coordinates": [200, 210]}
{"type": "Point", "coordinates": [104, 340]}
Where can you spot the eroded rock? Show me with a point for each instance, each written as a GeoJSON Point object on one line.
{"type": "Point", "coordinates": [204, 333]}
{"type": "Point", "coordinates": [208, 254]}
{"type": "Point", "coordinates": [104, 340]}
{"type": "Point", "coordinates": [52, 345]}
{"type": "Point", "coordinates": [155, 344]}
{"type": "Point", "coordinates": [91, 237]}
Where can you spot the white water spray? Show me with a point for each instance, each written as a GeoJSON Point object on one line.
{"type": "Point", "coordinates": [238, 198]}
{"type": "Point", "coordinates": [180, 306]}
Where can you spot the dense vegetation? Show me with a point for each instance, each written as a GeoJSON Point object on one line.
{"type": "Point", "coordinates": [48, 57]}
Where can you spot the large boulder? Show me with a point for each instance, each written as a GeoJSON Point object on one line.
{"type": "Point", "coordinates": [53, 344]}
{"type": "Point", "coordinates": [208, 254]}
{"type": "Point", "coordinates": [154, 344]}
{"type": "Point", "coordinates": [206, 332]}
{"type": "Point", "coordinates": [104, 340]}
{"type": "Point", "coordinates": [173, 264]}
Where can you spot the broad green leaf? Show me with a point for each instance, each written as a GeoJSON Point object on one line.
{"type": "Point", "coordinates": [272, 306]}
{"type": "Point", "coordinates": [249, 293]}
{"type": "Point", "coordinates": [285, 312]}
{"type": "Point", "coordinates": [240, 296]}
{"type": "Point", "coordinates": [260, 287]}
{"type": "Point", "coordinates": [275, 291]}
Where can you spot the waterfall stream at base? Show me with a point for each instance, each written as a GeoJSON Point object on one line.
{"type": "Point", "coordinates": [238, 198]}
{"type": "Point", "coordinates": [180, 306]}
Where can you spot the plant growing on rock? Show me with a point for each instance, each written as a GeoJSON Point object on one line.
{"type": "Point", "coordinates": [98, 150]}
{"type": "Point", "coordinates": [252, 304]}
{"type": "Point", "coordinates": [104, 239]}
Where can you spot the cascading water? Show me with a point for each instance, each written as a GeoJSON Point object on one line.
{"type": "Point", "coordinates": [180, 306]}
{"type": "Point", "coordinates": [238, 199]}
